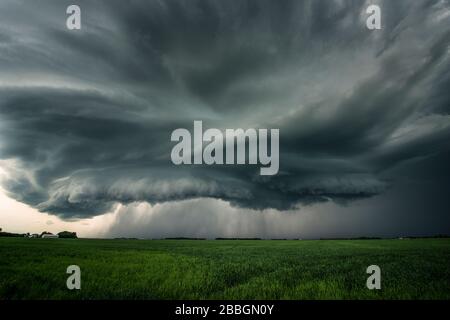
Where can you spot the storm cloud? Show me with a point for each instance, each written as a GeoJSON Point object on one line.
{"type": "Point", "coordinates": [86, 115]}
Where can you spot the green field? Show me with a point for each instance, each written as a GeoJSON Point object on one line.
{"type": "Point", "coordinates": [224, 269]}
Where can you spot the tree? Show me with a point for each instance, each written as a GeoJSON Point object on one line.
{"type": "Point", "coordinates": [67, 235]}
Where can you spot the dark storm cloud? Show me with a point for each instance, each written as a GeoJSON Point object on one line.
{"type": "Point", "coordinates": [86, 116]}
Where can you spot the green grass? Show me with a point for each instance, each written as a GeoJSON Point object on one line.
{"type": "Point", "coordinates": [241, 269]}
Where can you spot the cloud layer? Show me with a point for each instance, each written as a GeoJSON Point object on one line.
{"type": "Point", "coordinates": [86, 116]}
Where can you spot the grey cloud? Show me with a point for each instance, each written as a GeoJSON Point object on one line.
{"type": "Point", "coordinates": [86, 116]}
{"type": "Point", "coordinates": [401, 211]}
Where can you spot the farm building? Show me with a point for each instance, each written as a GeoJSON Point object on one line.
{"type": "Point", "coordinates": [50, 236]}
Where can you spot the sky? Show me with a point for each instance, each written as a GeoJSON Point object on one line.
{"type": "Point", "coordinates": [86, 117]}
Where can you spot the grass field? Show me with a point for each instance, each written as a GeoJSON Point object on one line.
{"type": "Point", "coordinates": [241, 269]}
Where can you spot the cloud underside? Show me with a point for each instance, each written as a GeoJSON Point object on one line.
{"type": "Point", "coordinates": [86, 116]}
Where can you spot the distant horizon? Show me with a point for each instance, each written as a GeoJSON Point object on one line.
{"type": "Point", "coordinates": [247, 238]}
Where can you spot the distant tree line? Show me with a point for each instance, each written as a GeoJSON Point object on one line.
{"type": "Point", "coordinates": [9, 234]}
{"type": "Point", "coordinates": [238, 238]}
{"type": "Point", "coordinates": [62, 234]}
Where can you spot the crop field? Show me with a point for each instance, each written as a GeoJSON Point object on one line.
{"type": "Point", "coordinates": [224, 269]}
